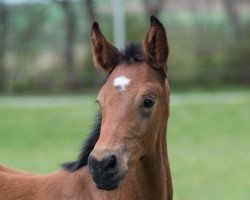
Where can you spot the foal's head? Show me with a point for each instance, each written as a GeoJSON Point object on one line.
{"type": "Point", "coordinates": [133, 103]}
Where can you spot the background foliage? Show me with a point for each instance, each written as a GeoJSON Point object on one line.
{"type": "Point", "coordinates": [46, 45]}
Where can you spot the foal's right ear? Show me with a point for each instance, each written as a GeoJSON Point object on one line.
{"type": "Point", "coordinates": [156, 45]}
{"type": "Point", "coordinates": [106, 56]}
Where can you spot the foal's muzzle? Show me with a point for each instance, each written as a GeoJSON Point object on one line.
{"type": "Point", "coordinates": [105, 172]}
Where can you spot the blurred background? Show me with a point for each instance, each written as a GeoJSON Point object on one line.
{"type": "Point", "coordinates": [45, 44]}
{"type": "Point", "coordinates": [48, 85]}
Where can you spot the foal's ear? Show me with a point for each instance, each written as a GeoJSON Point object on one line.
{"type": "Point", "coordinates": [106, 56]}
{"type": "Point", "coordinates": [155, 47]}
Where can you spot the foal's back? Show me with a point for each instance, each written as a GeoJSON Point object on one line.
{"type": "Point", "coordinates": [21, 185]}
{"type": "Point", "coordinates": [9, 170]}
{"type": "Point", "coordinates": [16, 184]}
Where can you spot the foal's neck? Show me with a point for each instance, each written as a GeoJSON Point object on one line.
{"type": "Point", "coordinates": [151, 178]}
{"type": "Point", "coordinates": [157, 168]}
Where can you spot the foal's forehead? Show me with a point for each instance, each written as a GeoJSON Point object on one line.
{"type": "Point", "coordinates": [132, 77]}
{"type": "Point", "coordinates": [139, 72]}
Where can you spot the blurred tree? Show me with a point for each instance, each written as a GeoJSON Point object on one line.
{"type": "Point", "coordinates": [4, 12]}
{"type": "Point", "coordinates": [69, 52]}
{"type": "Point", "coordinates": [25, 30]}
{"type": "Point", "coordinates": [90, 8]}
{"type": "Point", "coordinates": [153, 7]}
{"type": "Point", "coordinates": [90, 76]}
{"type": "Point", "coordinates": [232, 12]}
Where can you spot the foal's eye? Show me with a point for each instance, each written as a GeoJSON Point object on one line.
{"type": "Point", "coordinates": [148, 103]}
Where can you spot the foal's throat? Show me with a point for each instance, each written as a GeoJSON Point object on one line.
{"type": "Point", "coordinates": [156, 168]}
{"type": "Point", "coordinates": [149, 178]}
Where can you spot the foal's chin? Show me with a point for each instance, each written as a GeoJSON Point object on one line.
{"type": "Point", "coordinates": [110, 184]}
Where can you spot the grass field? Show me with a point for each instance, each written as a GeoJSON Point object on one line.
{"type": "Point", "coordinates": [208, 138]}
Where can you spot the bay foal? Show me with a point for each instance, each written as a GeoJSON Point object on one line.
{"type": "Point", "coordinates": [125, 157]}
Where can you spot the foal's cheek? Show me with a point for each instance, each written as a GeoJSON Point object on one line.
{"type": "Point", "coordinates": [152, 127]}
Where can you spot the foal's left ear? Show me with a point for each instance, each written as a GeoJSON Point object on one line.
{"type": "Point", "coordinates": [155, 46]}
{"type": "Point", "coordinates": [106, 56]}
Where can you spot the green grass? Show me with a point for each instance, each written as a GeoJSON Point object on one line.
{"type": "Point", "coordinates": [208, 138]}
{"type": "Point", "coordinates": [209, 146]}
{"type": "Point", "coordinates": [39, 133]}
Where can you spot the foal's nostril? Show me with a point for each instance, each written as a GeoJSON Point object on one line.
{"type": "Point", "coordinates": [110, 163]}
{"type": "Point", "coordinates": [107, 165]}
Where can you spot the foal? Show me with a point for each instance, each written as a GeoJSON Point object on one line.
{"type": "Point", "coordinates": [125, 157]}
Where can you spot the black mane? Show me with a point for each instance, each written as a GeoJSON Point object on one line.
{"type": "Point", "coordinates": [87, 147]}
{"type": "Point", "coordinates": [132, 53]}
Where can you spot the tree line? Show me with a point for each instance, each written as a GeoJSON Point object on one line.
{"type": "Point", "coordinates": [69, 16]}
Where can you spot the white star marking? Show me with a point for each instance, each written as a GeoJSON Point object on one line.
{"type": "Point", "coordinates": [121, 82]}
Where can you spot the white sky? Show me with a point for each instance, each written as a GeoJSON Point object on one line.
{"type": "Point", "coordinates": [24, 1]}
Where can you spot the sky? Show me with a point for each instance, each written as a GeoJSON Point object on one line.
{"type": "Point", "coordinates": [24, 1]}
